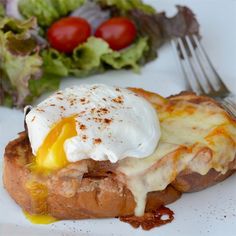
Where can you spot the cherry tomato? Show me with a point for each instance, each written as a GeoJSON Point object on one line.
{"type": "Point", "coordinates": [118, 32]}
{"type": "Point", "coordinates": [67, 33]}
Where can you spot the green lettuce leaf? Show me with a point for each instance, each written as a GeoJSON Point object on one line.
{"type": "Point", "coordinates": [129, 57]}
{"type": "Point", "coordinates": [17, 26]}
{"type": "Point", "coordinates": [85, 60]}
{"type": "Point", "coordinates": [2, 10]}
{"type": "Point", "coordinates": [127, 5]}
{"type": "Point", "coordinates": [93, 56]}
{"type": "Point", "coordinates": [55, 63]}
{"type": "Point", "coordinates": [66, 6]}
{"type": "Point", "coordinates": [88, 55]}
{"type": "Point", "coordinates": [48, 82]}
{"type": "Point", "coordinates": [47, 11]}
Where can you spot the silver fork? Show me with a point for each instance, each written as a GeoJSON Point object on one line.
{"type": "Point", "coordinates": [199, 73]}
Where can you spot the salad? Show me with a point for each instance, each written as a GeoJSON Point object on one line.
{"type": "Point", "coordinates": [45, 40]}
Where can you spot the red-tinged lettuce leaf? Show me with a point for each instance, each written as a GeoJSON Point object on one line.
{"type": "Point", "coordinates": [160, 28]}
{"type": "Point", "coordinates": [21, 45]}
{"type": "Point", "coordinates": [183, 23]}
{"type": "Point", "coordinates": [19, 61]}
{"type": "Point", "coordinates": [148, 26]}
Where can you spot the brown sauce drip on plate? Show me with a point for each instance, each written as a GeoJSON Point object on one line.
{"type": "Point", "coordinates": [149, 220]}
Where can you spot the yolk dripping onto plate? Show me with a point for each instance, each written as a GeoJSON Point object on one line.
{"type": "Point", "coordinates": [40, 219]}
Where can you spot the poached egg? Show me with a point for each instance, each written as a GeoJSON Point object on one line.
{"type": "Point", "coordinates": [92, 121]}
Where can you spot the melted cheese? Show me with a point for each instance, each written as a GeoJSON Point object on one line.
{"type": "Point", "coordinates": [197, 137]}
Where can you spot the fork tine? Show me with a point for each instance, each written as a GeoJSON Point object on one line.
{"type": "Point", "coordinates": [181, 67]}
{"type": "Point", "coordinates": [193, 80]}
{"type": "Point", "coordinates": [201, 75]}
{"type": "Point", "coordinates": [216, 81]}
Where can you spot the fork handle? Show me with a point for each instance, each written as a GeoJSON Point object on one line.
{"type": "Point", "coordinates": [229, 103]}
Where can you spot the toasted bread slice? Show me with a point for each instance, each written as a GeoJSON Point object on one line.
{"type": "Point", "coordinates": [70, 193]}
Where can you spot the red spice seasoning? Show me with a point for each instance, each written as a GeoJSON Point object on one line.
{"type": "Point", "coordinates": [97, 141]}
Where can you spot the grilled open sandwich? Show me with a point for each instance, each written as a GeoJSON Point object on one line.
{"type": "Point", "coordinates": [196, 150]}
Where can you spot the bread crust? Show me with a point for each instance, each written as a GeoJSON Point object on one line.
{"type": "Point", "coordinates": [188, 181]}
{"type": "Point", "coordinates": [90, 189]}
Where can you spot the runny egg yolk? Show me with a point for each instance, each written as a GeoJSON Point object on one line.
{"type": "Point", "coordinates": [51, 155]}
{"type": "Point", "coordinates": [40, 219]}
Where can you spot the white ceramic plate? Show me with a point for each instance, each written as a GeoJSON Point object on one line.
{"type": "Point", "coordinates": [209, 212]}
